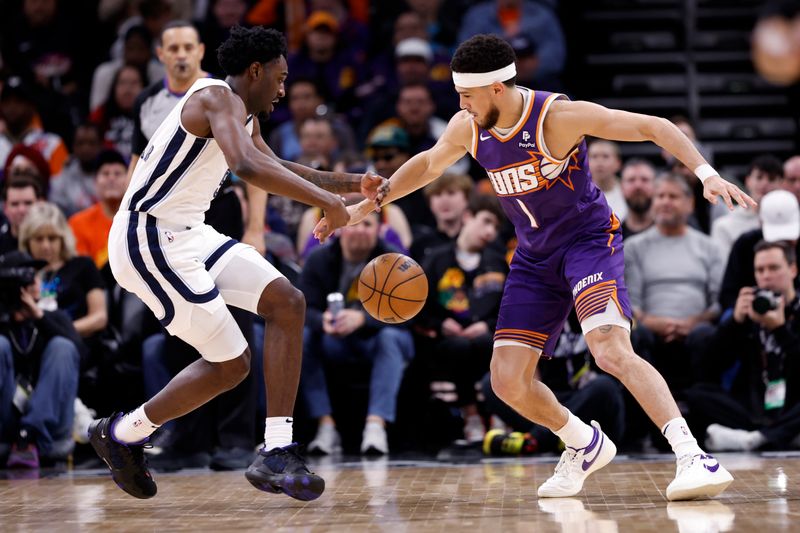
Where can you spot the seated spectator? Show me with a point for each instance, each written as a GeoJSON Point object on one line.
{"type": "Point", "coordinates": [115, 116]}
{"type": "Point", "coordinates": [673, 274]}
{"type": "Point", "coordinates": [138, 53]}
{"type": "Point", "coordinates": [791, 175]}
{"type": "Point", "coordinates": [23, 125]}
{"type": "Point", "coordinates": [319, 147]}
{"type": "Point", "coordinates": [765, 175]}
{"type": "Point", "coordinates": [73, 189]}
{"type": "Point", "coordinates": [25, 161]}
{"type": "Point", "coordinates": [638, 178]}
{"type": "Point", "coordinates": [779, 213]}
{"type": "Point", "coordinates": [394, 228]}
{"type": "Point", "coordinates": [511, 18]}
{"type": "Point", "coordinates": [19, 195]}
{"type": "Point", "coordinates": [414, 113]}
{"type": "Point", "coordinates": [215, 27]}
{"type": "Point", "coordinates": [306, 101]}
{"type": "Point", "coordinates": [92, 225]}
{"type": "Point", "coordinates": [577, 384]}
{"type": "Point", "coordinates": [387, 149]}
{"type": "Point", "coordinates": [350, 335]}
{"type": "Point", "coordinates": [39, 356]}
{"type": "Point", "coordinates": [448, 198]}
{"type": "Point", "coordinates": [328, 60]}
{"type": "Point", "coordinates": [413, 65]}
{"type": "Point", "coordinates": [604, 164]}
{"type": "Point", "coordinates": [69, 282]}
{"type": "Point", "coordinates": [761, 341]}
{"type": "Point", "coordinates": [465, 279]}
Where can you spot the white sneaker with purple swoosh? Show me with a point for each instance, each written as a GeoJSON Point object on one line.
{"type": "Point", "coordinates": [698, 476]}
{"type": "Point", "coordinates": [576, 465]}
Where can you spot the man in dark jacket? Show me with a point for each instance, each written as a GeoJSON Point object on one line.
{"type": "Point", "coordinates": [350, 332]}
{"type": "Point", "coordinates": [760, 344]}
{"type": "Point", "coordinates": [39, 364]}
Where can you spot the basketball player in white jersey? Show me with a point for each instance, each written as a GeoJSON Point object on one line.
{"type": "Point", "coordinates": [186, 272]}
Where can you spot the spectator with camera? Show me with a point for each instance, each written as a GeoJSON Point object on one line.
{"type": "Point", "coordinates": [760, 343]}
{"type": "Point", "coordinates": [39, 364]}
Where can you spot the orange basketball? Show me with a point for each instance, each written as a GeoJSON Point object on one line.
{"type": "Point", "coordinates": [393, 288]}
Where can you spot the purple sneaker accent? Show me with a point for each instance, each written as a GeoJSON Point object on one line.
{"type": "Point", "coordinates": [595, 438]}
{"type": "Point", "coordinates": [712, 468]}
{"type": "Point", "coordinates": [27, 457]}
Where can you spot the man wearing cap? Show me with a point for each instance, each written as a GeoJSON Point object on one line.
{"type": "Point", "coordinates": [326, 60]}
{"type": "Point", "coordinates": [39, 363]}
{"type": "Point", "coordinates": [761, 336]}
{"type": "Point", "coordinates": [23, 125]}
{"type": "Point", "coordinates": [779, 213]}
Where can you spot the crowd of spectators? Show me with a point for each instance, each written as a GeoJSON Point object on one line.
{"type": "Point", "coordinates": [714, 293]}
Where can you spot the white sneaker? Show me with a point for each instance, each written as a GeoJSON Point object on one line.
{"type": "Point", "coordinates": [80, 423]}
{"type": "Point", "coordinates": [474, 430]}
{"type": "Point", "coordinates": [698, 476]}
{"type": "Point", "coordinates": [374, 441]}
{"type": "Point", "coordinates": [576, 465]}
{"type": "Point", "coordinates": [326, 442]}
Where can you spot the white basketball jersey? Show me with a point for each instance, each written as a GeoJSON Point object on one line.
{"type": "Point", "coordinates": [178, 173]}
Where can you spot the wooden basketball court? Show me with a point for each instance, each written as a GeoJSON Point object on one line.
{"type": "Point", "coordinates": [382, 495]}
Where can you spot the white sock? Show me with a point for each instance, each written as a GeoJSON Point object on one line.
{"type": "Point", "coordinates": [680, 437]}
{"type": "Point", "coordinates": [575, 433]}
{"type": "Point", "coordinates": [278, 432]}
{"type": "Point", "coordinates": [134, 427]}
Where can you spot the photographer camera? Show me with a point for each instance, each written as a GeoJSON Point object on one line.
{"type": "Point", "coordinates": [39, 362]}
{"type": "Point", "coordinates": [759, 345]}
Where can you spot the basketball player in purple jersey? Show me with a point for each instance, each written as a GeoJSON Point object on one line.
{"type": "Point", "coordinates": [531, 144]}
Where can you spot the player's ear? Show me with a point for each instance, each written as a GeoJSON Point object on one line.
{"type": "Point", "coordinates": [256, 69]}
{"type": "Point", "coordinates": [498, 88]}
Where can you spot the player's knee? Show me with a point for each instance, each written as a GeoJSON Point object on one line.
{"type": "Point", "coordinates": [286, 303]}
{"type": "Point", "coordinates": [613, 360]}
{"type": "Point", "coordinates": [507, 381]}
{"type": "Point", "coordinates": [234, 371]}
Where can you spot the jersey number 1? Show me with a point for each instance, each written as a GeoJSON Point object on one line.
{"type": "Point", "coordinates": [522, 206]}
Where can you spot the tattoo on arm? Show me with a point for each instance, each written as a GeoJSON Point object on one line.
{"type": "Point", "coordinates": [335, 182]}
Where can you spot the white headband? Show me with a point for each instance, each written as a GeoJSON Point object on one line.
{"type": "Point", "coordinates": [482, 79]}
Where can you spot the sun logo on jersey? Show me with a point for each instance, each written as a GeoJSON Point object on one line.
{"type": "Point", "coordinates": [538, 172]}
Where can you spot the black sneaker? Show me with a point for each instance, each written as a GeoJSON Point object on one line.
{"type": "Point", "coordinates": [284, 470]}
{"type": "Point", "coordinates": [126, 461]}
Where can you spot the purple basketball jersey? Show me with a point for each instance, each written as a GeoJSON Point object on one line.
{"type": "Point", "coordinates": [569, 251]}
{"type": "Point", "coordinates": [549, 201]}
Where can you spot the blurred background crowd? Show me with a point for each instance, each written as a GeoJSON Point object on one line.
{"type": "Point", "coordinates": [84, 85]}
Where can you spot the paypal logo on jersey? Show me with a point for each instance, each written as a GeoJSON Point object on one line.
{"type": "Point", "coordinates": [525, 137]}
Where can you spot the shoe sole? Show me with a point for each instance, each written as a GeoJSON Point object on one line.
{"type": "Point", "coordinates": [302, 487]}
{"type": "Point", "coordinates": [709, 490]}
{"type": "Point", "coordinates": [597, 466]}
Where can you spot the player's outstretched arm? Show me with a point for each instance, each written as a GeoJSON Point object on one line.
{"type": "Point", "coordinates": [568, 122]}
{"type": "Point", "coordinates": [415, 173]}
{"type": "Point", "coordinates": [226, 117]}
{"type": "Point", "coordinates": [336, 182]}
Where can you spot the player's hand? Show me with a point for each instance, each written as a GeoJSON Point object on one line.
{"type": "Point", "coordinates": [743, 308]}
{"type": "Point", "coordinates": [335, 216]}
{"type": "Point", "coordinates": [716, 186]}
{"type": "Point", "coordinates": [475, 330]}
{"type": "Point", "coordinates": [371, 185]}
{"type": "Point", "coordinates": [348, 321]}
{"type": "Point", "coordinates": [255, 239]}
{"type": "Point", "coordinates": [451, 328]}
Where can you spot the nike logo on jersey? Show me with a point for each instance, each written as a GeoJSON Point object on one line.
{"type": "Point", "coordinates": [484, 138]}
{"type": "Point", "coordinates": [588, 464]}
